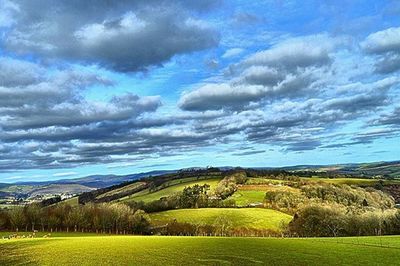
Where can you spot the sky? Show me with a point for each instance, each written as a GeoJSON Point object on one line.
{"type": "Point", "coordinates": [119, 87]}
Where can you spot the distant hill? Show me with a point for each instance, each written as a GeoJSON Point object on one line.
{"type": "Point", "coordinates": [72, 186]}
{"type": "Point", "coordinates": [97, 181]}
{"type": "Point", "coordinates": [384, 169]}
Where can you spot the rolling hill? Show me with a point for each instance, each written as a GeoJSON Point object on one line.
{"type": "Point", "coordinates": [170, 188]}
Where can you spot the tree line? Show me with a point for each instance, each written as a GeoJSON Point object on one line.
{"type": "Point", "coordinates": [100, 218]}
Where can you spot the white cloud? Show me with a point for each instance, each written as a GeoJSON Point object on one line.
{"type": "Point", "coordinates": [383, 41]}
{"type": "Point", "coordinates": [233, 52]}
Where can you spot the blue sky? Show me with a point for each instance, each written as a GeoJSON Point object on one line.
{"type": "Point", "coordinates": [94, 87]}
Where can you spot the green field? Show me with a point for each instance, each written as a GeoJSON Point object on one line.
{"type": "Point", "coordinates": [72, 201]}
{"type": "Point", "coordinates": [256, 218]}
{"type": "Point", "coordinates": [171, 188]}
{"type": "Point", "coordinates": [153, 250]}
{"type": "Point", "coordinates": [255, 194]}
{"type": "Point", "coordinates": [347, 181]}
{"type": "Point", "coordinates": [247, 197]}
{"type": "Point", "coordinates": [123, 189]}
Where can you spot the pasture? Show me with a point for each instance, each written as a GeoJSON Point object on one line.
{"type": "Point", "coordinates": [155, 250]}
{"type": "Point", "coordinates": [255, 194]}
{"type": "Point", "coordinates": [255, 218]}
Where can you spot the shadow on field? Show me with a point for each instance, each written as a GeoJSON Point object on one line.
{"type": "Point", "coordinates": [18, 252]}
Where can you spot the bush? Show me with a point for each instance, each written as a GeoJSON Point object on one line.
{"type": "Point", "coordinates": [336, 220]}
{"type": "Point", "coordinates": [317, 220]}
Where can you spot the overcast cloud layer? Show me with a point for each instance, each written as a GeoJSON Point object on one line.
{"type": "Point", "coordinates": [125, 86]}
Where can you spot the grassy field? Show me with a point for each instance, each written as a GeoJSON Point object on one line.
{"type": "Point", "coordinates": [256, 218]}
{"type": "Point", "coordinates": [347, 181]}
{"type": "Point", "coordinates": [247, 197]}
{"type": "Point", "coordinates": [152, 250]}
{"type": "Point", "coordinates": [72, 201]}
{"type": "Point", "coordinates": [251, 194]}
{"type": "Point", "coordinates": [127, 188]}
{"type": "Point", "coordinates": [171, 188]}
{"type": "Point", "coordinates": [350, 181]}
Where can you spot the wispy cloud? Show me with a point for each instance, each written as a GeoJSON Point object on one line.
{"type": "Point", "coordinates": [64, 174]}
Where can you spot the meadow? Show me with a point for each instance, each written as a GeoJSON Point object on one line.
{"type": "Point", "coordinates": [156, 250]}
{"type": "Point", "coordinates": [255, 218]}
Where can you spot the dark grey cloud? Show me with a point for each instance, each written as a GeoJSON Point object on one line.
{"type": "Point", "coordinates": [371, 135]}
{"type": "Point", "coordinates": [392, 118]}
{"type": "Point", "coordinates": [388, 64]}
{"type": "Point", "coordinates": [245, 153]}
{"type": "Point", "coordinates": [304, 145]}
{"type": "Point", "coordinates": [218, 96]}
{"type": "Point", "coordinates": [122, 35]}
{"type": "Point", "coordinates": [15, 72]}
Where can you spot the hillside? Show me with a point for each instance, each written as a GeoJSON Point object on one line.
{"type": "Point", "coordinates": [365, 171]}
{"type": "Point", "coordinates": [169, 188]}
{"type": "Point", "coordinates": [70, 186]}
{"type": "Point", "coordinates": [383, 169]}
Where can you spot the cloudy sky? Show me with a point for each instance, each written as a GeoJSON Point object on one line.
{"type": "Point", "coordinates": [100, 86]}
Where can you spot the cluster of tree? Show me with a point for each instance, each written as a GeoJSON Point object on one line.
{"type": "Point", "coordinates": [104, 217]}
{"type": "Point", "coordinates": [362, 198]}
{"type": "Point", "coordinates": [336, 220]}
{"type": "Point", "coordinates": [267, 172]}
{"type": "Point", "coordinates": [349, 196]}
{"type": "Point", "coordinates": [50, 201]}
{"type": "Point", "coordinates": [191, 197]}
{"type": "Point", "coordinates": [284, 200]}
{"type": "Point", "coordinates": [227, 186]}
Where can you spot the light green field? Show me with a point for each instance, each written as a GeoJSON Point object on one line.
{"type": "Point", "coordinates": [17, 188]}
{"type": "Point", "coordinates": [255, 194]}
{"type": "Point", "coordinates": [264, 181]}
{"type": "Point", "coordinates": [151, 250]}
{"type": "Point", "coordinates": [347, 181]}
{"type": "Point", "coordinates": [72, 201]}
{"type": "Point", "coordinates": [9, 206]}
{"type": "Point", "coordinates": [256, 218]}
{"type": "Point", "coordinates": [247, 197]}
{"type": "Point", "coordinates": [172, 187]}
{"type": "Point", "coordinates": [122, 189]}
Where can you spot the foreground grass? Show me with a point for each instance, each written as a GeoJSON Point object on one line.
{"type": "Point", "coordinates": [150, 250]}
{"type": "Point", "coordinates": [256, 218]}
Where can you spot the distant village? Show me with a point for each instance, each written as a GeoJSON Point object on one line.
{"type": "Point", "coordinates": [23, 199]}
